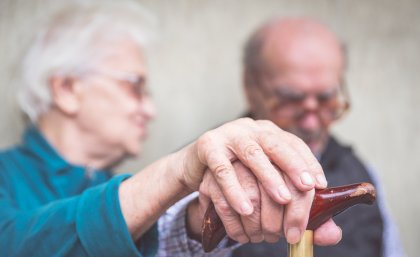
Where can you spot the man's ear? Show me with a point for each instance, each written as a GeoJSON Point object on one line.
{"type": "Point", "coordinates": [248, 87]}
{"type": "Point", "coordinates": [65, 94]}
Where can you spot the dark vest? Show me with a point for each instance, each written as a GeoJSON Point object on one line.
{"type": "Point", "coordinates": [362, 225]}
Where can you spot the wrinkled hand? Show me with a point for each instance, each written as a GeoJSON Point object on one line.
{"type": "Point", "coordinates": [269, 219]}
{"type": "Point", "coordinates": [259, 145]}
{"type": "Point", "coordinates": [263, 148]}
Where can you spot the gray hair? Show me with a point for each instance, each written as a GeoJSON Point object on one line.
{"type": "Point", "coordinates": [253, 61]}
{"type": "Point", "coordinates": [67, 45]}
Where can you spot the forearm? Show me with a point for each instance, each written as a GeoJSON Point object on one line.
{"type": "Point", "coordinates": [145, 196]}
{"type": "Point", "coordinates": [90, 224]}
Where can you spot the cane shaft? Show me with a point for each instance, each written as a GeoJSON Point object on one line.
{"type": "Point", "coordinates": [303, 248]}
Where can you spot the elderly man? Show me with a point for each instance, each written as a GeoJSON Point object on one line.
{"type": "Point", "coordinates": [83, 87]}
{"type": "Point", "coordinates": [294, 76]}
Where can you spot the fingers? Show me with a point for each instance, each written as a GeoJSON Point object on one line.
{"type": "Point", "coordinates": [257, 144]}
{"type": "Point", "coordinates": [252, 155]}
{"type": "Point", "coordinates": [262, 147]}
{"type": "Point", "coordinates": [327, 234]}
{"type": "Point", "coordinates": [296, 213]}
{"type": "Point", "coordinates": [251, 223]}
{"type": "Point", "coordinates": [271, 217]}
{"type": "Point", "coordinates": [215, 154]}
{"type": "Point", "coordinates": [231, 220]}
{"type": "Point", "coordinates": [314, 167]}
{"type": "Point", "coordinates": [240, 228]}
{"type": "Point", "coordinates": [292, 156]}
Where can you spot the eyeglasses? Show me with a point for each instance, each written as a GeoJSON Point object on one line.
{"type": "Point", "coordinates": [133, 82]}
{"type": "Point", "coordinates": [286, 103]}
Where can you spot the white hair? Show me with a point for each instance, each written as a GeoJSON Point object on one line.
{"type": "Point", "coordinates": [68, 45]}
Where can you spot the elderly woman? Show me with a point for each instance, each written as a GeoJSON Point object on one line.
{"type": "Point", "coordinates": [84, 89]}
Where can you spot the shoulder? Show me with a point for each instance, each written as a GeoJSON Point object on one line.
{"type": "Point", "coordinates": [7, 172]}
{"type": "Point", "coordinates": [342, 164]}
{"type": "Point", "coordinates": [9, 157]}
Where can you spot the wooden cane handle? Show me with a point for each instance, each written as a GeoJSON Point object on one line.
{"type": "Point", "coordinates": [327, 203]}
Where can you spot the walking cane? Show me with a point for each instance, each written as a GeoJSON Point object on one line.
{"type": "Point", "coordinates": [327, 203]}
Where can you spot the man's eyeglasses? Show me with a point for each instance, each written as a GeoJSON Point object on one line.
{"type": "Point", "coordinates": [332, 104]}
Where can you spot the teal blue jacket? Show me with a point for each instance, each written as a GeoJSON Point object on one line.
{"type": "Point", "coordinates": [49, 207]}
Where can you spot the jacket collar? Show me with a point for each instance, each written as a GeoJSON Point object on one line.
{"type": "Point", "coordinates": [37, 145]}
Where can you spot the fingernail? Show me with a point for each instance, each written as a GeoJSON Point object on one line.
{"type": "Point", "coordinates": [306, 179]}
{"type": "Point", "coordinates": [246, 209]}
{"type": "Point", "coordinates": [285, 193]}
{"type": "Point", "coordinates": [293, 235]}
{"type": "Point", "coordinates": [321, 180]}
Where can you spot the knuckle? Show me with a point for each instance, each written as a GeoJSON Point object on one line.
{"type": "Point", "coordinates": [205, 139]}
{"type": "Point", "coordinates": [297, 214]}
{"type": "Point", "coordinates": [252, 225]}
{"type": "Point", "coordinates": [270, 148]}
{"type": "Point", "coordinates": [221, 171]}
{"type": "Point", "coordinates": [252, 151]}
{"type": "Point", "coordinates": [254, 197]}
{"type": "Point", "coordinates": [224, 209]}
{"type": "Point", "coordinates": [253, 229]}
{"type": "Point", "coordinates": [271, 141]}
{"type": "Point", "coordinates": [234, 230]}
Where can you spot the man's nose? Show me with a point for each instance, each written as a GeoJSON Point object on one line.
{"type": "Point", "coordinates": [310, 119]}
{"type": "Point", "coordinates": [310, 103]}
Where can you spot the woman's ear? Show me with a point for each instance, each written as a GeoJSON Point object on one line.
{"type": "Point", "coordinates": [65, 94]}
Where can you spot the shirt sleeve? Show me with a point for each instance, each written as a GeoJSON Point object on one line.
{"type": "Point", "coordinates": [392, 246]}
{"type": "Point", "coordinates": [173, 239]}
{"type": "Point", "coordinates": [90, 224]}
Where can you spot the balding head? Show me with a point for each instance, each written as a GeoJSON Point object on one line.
{"type": "Point", "coordinates": [293, 70]}
{"type": "Point", "coordinates": [284, 39]}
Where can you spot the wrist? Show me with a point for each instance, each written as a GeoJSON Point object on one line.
{"type": "Point", "coordinates": [143, 203]}
{"type": "Point", "coordinates": [189, 168]}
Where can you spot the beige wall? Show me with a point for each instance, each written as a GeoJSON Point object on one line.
{"type": "Point", "coordinates": [195, 79]}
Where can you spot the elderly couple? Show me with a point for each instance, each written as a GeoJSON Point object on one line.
{"type": "Point", "coordinates": [84, 90]}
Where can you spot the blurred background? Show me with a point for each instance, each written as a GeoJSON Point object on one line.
{"type": "Point", "coordinates": [195, 79]}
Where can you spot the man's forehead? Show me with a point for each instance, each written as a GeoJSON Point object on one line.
{"type": "Point", "coordinates": [304, 60]}
{"type": "Point", "coordinates": [300, 44]}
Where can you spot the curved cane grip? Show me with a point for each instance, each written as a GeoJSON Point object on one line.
{"type": "Point", "coordinates": [327, 203]}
